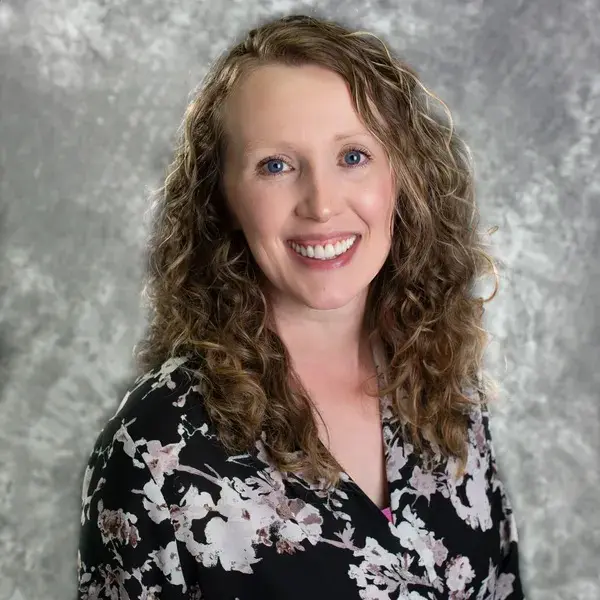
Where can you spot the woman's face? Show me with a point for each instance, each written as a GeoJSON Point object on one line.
{"type": "Point", "coordinates": [309, 186]}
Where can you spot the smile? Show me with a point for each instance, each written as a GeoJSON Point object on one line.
{"type": "Point", "coordinates": [326, 251]}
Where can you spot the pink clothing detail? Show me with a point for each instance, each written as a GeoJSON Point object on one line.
{"type": "Point", "coordinates": [388, 513]}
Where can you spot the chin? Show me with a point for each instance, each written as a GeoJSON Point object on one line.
{"type": "Point", "coordinates": [328, 300]}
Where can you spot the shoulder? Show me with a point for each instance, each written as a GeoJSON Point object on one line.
{"type": "Point", "coordinates": [156, 403]}
{"type": "Point", "coordinates": [481, 453]}
{"type": "Point", "coordinates": [161, 415]}
{"type": "Point", "coordinates": [127, 534]}
{"type": "Point", "coordinates": [479, 427]}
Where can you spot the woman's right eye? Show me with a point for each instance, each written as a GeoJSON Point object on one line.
{"type": "Point", "coordinates": [272, 166]}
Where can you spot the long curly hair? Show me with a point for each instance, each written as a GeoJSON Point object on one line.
{"type": "Point", "coordinates": [203, 287]}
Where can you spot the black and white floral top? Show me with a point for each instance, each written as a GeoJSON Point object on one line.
{"type": "Point", "coordinates": [168, 515]}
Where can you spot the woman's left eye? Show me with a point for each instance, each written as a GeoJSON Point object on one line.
{"type": "Point", "coordinates": [355, 156]}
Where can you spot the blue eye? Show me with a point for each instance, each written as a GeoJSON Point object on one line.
{"type": "Point", "coordinates": [276, 162]}
{"type": "Point", "coordinates": [356, 154]}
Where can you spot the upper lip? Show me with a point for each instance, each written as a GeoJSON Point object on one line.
{"type": "Point", "coordinates": [312, 239]}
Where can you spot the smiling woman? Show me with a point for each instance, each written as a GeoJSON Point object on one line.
{"type": "Point", "coordinates": [310, 417]}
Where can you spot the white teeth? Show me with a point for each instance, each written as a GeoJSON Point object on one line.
{"type": "Point", "coordinates": [326, 252]}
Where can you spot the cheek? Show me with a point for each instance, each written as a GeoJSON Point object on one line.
{"type": "Point", "coordinates": [260, 217]}
{"type": "Point", "coordinates": [377, 207]}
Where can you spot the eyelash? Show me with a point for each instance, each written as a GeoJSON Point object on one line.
{"type": "Point", "coordinates": [264, 162]}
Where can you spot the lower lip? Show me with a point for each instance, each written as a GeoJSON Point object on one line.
{"type": "Point", "coordinates": [324, 265]}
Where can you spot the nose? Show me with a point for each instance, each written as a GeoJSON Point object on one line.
{"type": "Point", "coordinates": [321, 196]}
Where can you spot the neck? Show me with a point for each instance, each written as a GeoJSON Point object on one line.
{"type": "Point", "coordinates": [326, 337]}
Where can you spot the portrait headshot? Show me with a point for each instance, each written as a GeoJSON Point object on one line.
{"type": "Point", "coordinates": [310, 417]}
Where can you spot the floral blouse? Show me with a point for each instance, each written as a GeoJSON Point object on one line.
{"type": "Point", "coordinates": [167, 514]}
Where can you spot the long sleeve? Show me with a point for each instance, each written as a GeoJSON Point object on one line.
{"type": "Point", "coordinates": [127, 545]}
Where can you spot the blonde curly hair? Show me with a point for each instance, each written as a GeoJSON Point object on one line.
{"type": "Point", "coordinates": [203, 285]}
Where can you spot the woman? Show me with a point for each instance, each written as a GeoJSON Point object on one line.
{"type": "Point", "coordinates": [309, 416]}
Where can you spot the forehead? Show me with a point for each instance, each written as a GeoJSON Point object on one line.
{"type": "Point", "coordinates": [300, 104]}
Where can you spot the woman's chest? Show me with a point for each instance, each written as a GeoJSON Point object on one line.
{"type": "Point", "coordinates": [305, 545]}
{"type": "Point", "coordinates": [352, 432]}
{"type": "Point", "coordinates": [257, 534]}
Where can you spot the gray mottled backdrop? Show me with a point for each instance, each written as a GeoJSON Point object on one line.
{"type": "Point", "coordinates": [91, 93]}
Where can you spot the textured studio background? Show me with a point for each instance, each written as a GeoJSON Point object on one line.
{"type": "Point", "coordinates": [91, 93]}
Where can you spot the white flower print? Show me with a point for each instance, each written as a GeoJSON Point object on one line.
{"type": "Point", "coordinates": [248, 513]}
{"type": "Point", "coordinates": [504, 586]}
{"type": "Point", "coordinates": [459, 574]}
{"type": "Point", "coordinates": [232, 543]}
{"type": "Point", "coordinates": [413, 536]}
{"type": "Point", "coordinates": [167, 559]}
{"type": "Point", "coordinates": [159, 378]}
{"type": "Point", "coordinates": [154, 502]}
{"type": "Point", "coordinates": [86, 494]}
{"type": "Point", "coordinates": [438, 549]}
{"type": "Point", "coordinates": [423, 482]}
{"type": "Point", "coordinates": [377, 573]}
{"type": "Point", "coordinates": [129, 445]}
{"type": "Point", "coordinates": [116, 525]}
{"type": "Point", "coordinates": [162, 460]}
{"type": "Point", "coordinates": [477, 513]}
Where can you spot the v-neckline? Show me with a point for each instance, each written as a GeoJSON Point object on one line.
{"type": "Point", "coordinates": [377, 353]}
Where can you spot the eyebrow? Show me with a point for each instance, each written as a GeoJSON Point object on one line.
{"type": "Point", "coordinates": [343, 136]}
{"type": "Point", "coordinates": [252, 146]}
